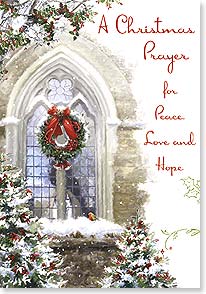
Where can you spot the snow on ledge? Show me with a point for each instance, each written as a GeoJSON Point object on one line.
{"type": "Point", "coordinates": [11, 120]}
{"type": "Point", "coordinates": [83, 225]}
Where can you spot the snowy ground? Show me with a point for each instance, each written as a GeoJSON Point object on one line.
{"type": "Point", "coordinates": [83, 225]}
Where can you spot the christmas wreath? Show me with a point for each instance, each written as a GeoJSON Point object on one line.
{"type": "Point", "coordinates": [62, 136]}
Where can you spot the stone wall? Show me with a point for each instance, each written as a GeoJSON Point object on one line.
{"type": "Point", "coordinates": [129, 173]}
{"type": "Point", "coordinates": [127, 168]}
{"type": "Point", "coordinates": [85, 260]}
{"type": "Point", "coordinates": [2, 139]}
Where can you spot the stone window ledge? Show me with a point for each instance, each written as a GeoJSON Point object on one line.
{"type": "Point", "coordinates": [84, 259]}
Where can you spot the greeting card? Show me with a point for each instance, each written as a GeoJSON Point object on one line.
{"type": "Point", "coordinates": [100, 144]}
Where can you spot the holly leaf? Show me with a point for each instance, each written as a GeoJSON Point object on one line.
{"type": "Point", "coordinates": [165, 232]}
{"type": "Point", "coordinates": [193, 188]}
{"type": "Point", "coordinates": [193, 232]}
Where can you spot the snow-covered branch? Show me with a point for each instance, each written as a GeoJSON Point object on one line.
{"type": "Point", "coordinates": [39, 21]}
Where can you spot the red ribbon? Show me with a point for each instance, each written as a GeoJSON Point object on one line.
{"type": "Point", "coordinates": [54, 127]}
{"type": "Point", "coordinates": [64, 165]}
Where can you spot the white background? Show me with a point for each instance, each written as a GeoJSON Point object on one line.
{"type": "Point", "coordinates": [167, 208]}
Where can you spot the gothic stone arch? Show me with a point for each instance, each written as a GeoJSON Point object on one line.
{"type": "Point", "coordinates": [102, 81]}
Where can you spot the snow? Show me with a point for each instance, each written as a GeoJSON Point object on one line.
{"type": "Point", "coordinates": [19, 201]}
{"type": "Point", "coordinates": [18, 22]}
{"type": "Point", "coordinates": [5, 271]}
{"type": "Point", "coordinates": [126, 277]}
{"type": "Point", "coordinates": [83, 225]}
{"type": "Point", "coordinates": [8, 121]}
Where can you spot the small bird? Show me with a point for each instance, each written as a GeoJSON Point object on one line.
{"type": "Point", "coordinates": [92, 216]}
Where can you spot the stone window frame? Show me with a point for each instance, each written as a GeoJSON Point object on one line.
{"type": "Point", "coordinates": [27, 94]}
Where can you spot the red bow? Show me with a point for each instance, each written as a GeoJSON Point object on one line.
{"type": "Point", "coordinates": [54, 127]}
{"type": "Point", "coordinates": [64, 165]}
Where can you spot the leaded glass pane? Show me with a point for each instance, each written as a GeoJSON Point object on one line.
{"type": "Point", "coordinates": [60, 91]}
{"type": "Point", "coordinates": [41, 175]}
{"type": "Point", "coordinates": [37, 170]}
{"type": "Point", "coordinates": [83, 172]}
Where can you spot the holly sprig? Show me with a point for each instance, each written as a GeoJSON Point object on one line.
{"type": "Point", "coordinates": [175, 234]}
{"type": "Point", "coordinates": [193, 191]}
{"type": "Point", "coordinates": [193, 188]}
{"type": "Point", "coordinates": [40, 21]}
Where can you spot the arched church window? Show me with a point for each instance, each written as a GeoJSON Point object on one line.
{"type": "Point", "coordinates": [62, 76]}
{"type": "Point", "coordinates": [81, 179]}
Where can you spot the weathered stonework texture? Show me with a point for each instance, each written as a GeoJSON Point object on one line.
{"type": "Point", "coordinates": [128, 170]}
{"type": "Point", "coordinates": [2, 139]}
{"type": "Point", "coordinates": [85, 260]}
